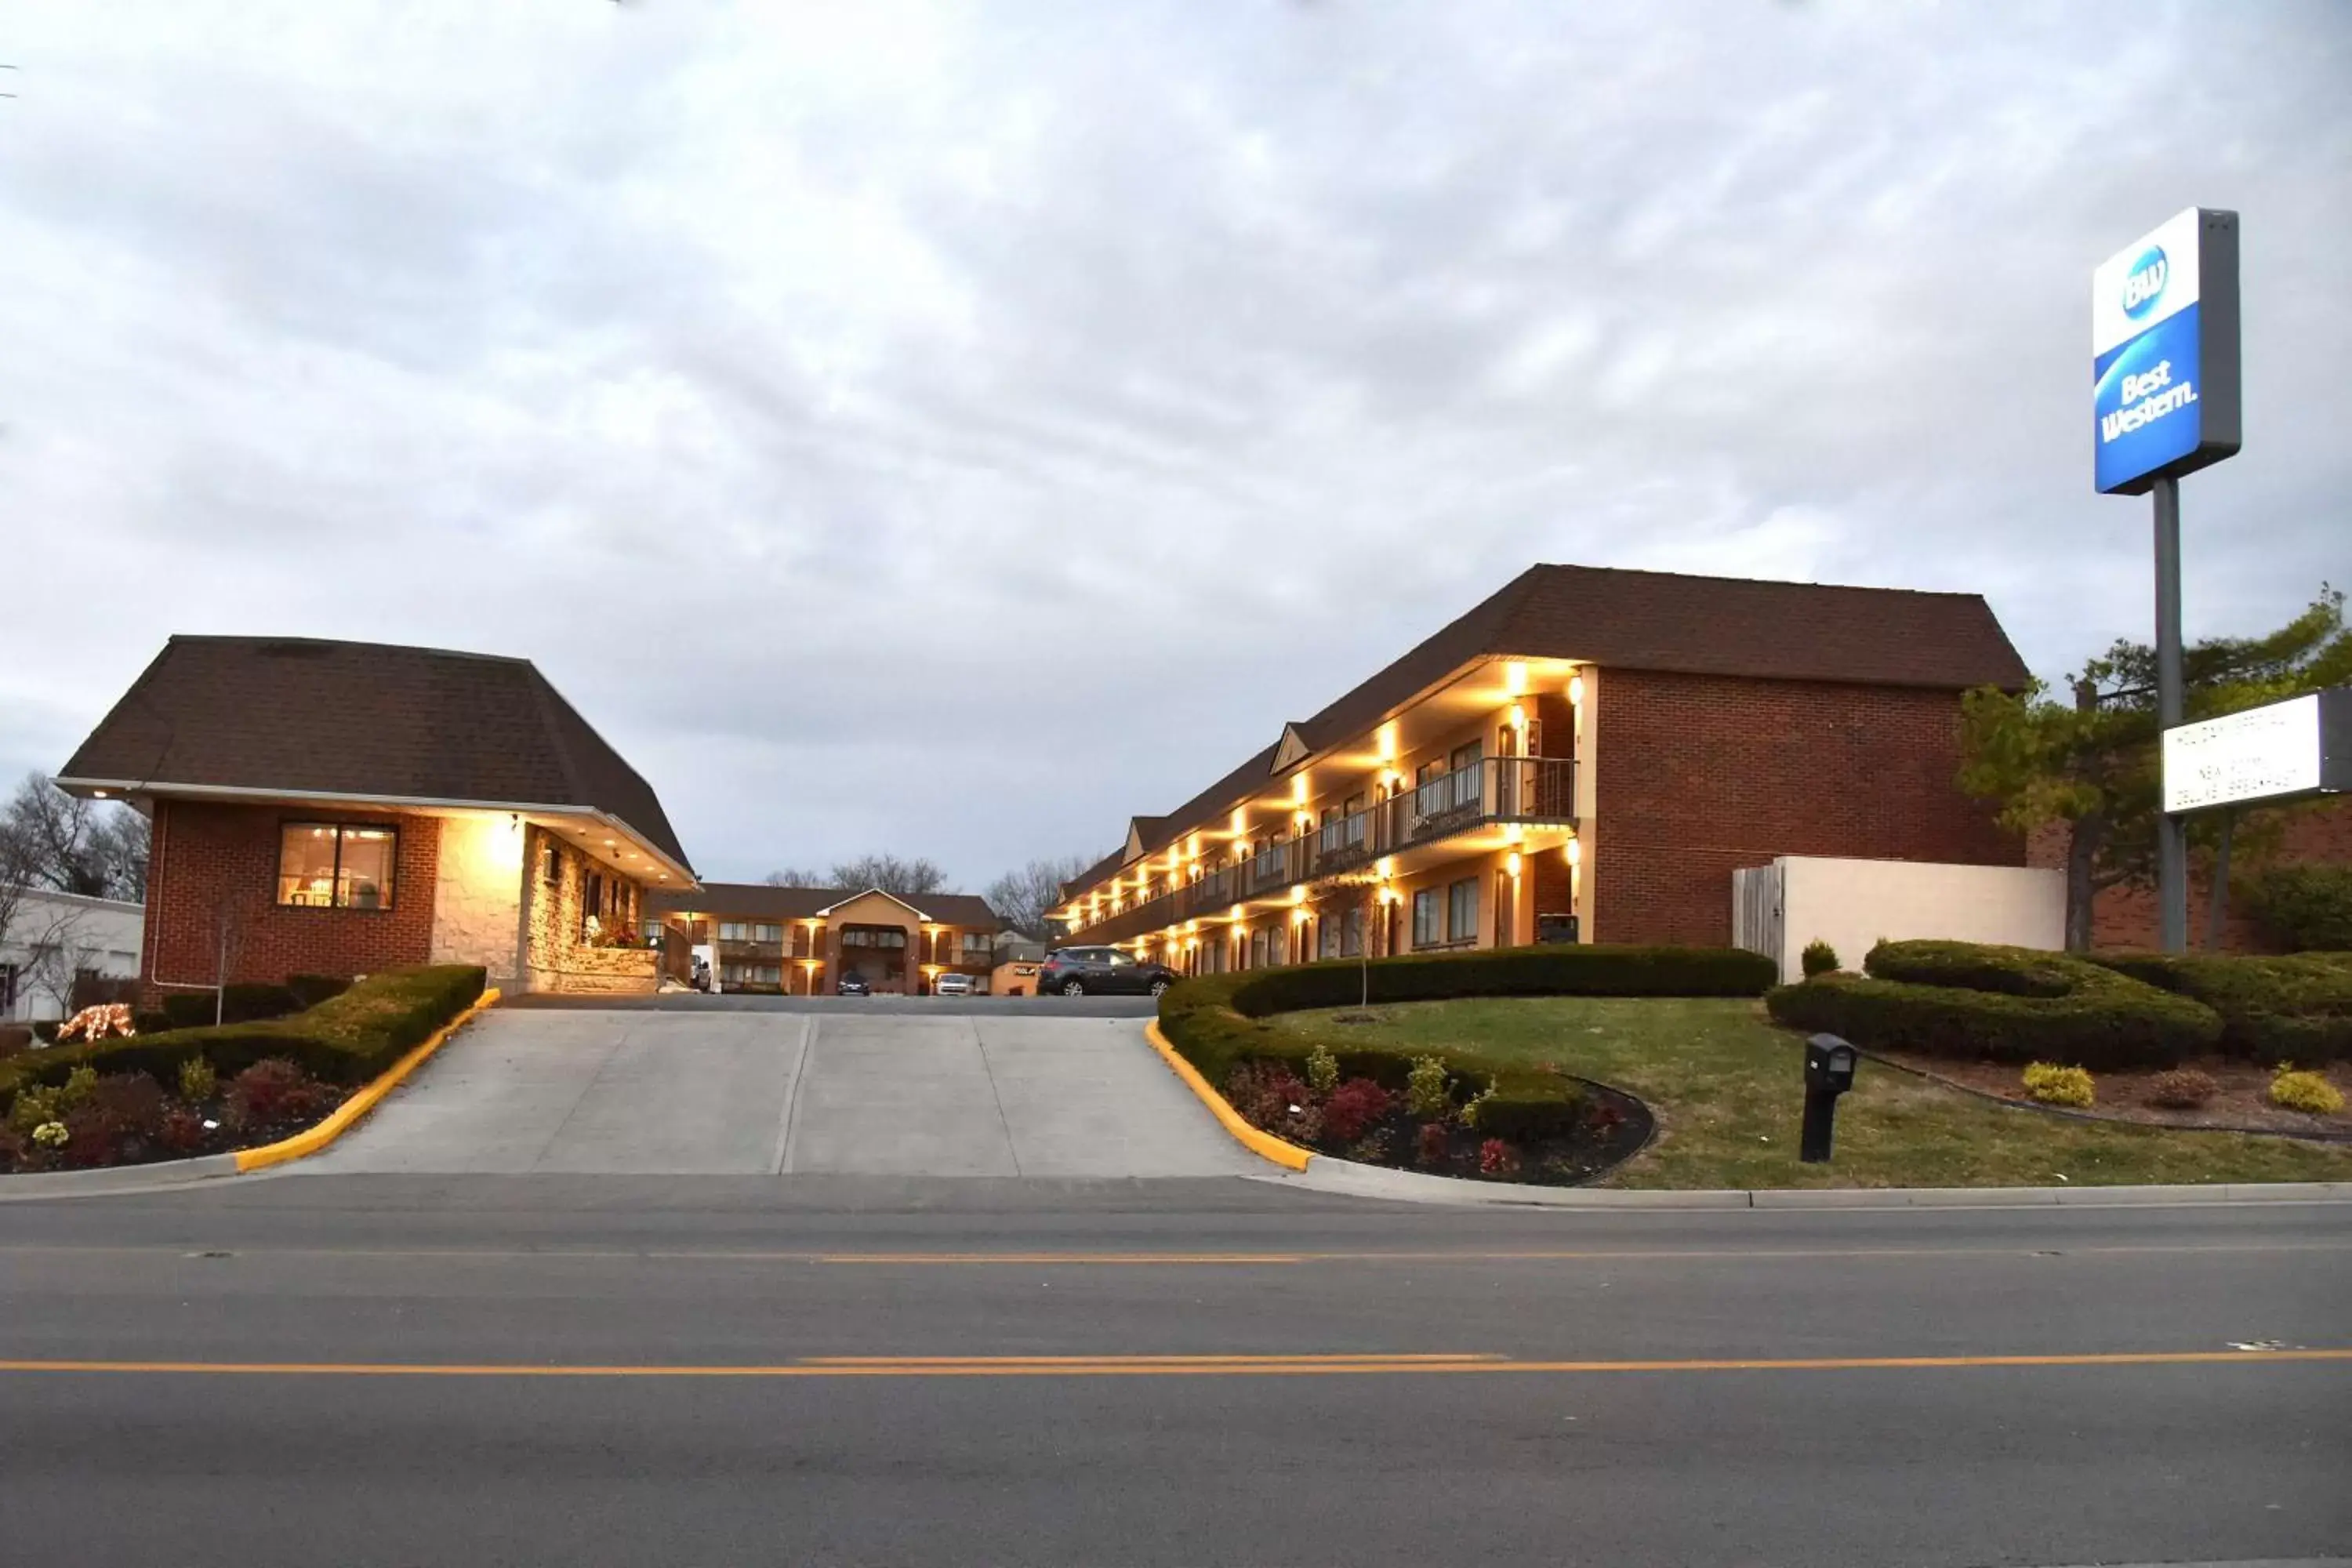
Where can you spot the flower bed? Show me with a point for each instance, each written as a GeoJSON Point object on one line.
{"type": "Point", "coordinates": [130, 1119]}
{"type": "Point", "coordinates": [1554, 1129]}
{"type": "Point", "coordinates": [1494, 1120]}
{"type": "Point", "coordinates": [117, 1095]}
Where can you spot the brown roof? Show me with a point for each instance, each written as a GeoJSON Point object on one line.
{"type": "Point", "coordinates": [1621, 619]}
{"type": "Point", "coordinates": [311, 716]}
{"type": "Point", "coordinates": [761, 902]}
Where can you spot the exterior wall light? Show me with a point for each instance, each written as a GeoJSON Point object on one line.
{"type": "Point", "coordinates": [1576, 689]}
{"type": "Point", "coordinates": [1575, 852]}
{"type": "Point", "coordinates": [1511, 863]}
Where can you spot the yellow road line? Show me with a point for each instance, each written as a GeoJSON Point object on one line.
{"type": "Point", "coordinates": [1156, 1366]}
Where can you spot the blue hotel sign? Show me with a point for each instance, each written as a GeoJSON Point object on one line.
{"type": "Point", "coordinates": [2164, 345]}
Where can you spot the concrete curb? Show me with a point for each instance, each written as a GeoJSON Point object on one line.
{"type": "Point", "coordinates": [347, 1115]}
{"type": "Point", "coordinates": [1264, 1145]}
{"type": "Point", "coordinates": [166, 1174]}
{"type": "Point", "coordinates": [1327, 1174]}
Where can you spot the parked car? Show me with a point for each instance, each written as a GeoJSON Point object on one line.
{"type": "Point", "coordinates": [1101, 972]}
{"type": "Point", "coordinates": [853, 985]}
{"type": "Point", "coordinates": [952, 984]}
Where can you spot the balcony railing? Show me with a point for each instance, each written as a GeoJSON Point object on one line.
{"type": "Point", "coordinates": [1498, 789]}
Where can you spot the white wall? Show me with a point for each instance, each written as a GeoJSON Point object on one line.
{"type": "Point", "coordinates": [1850, 904]}
{"type": "Point", "coordinates": [478, 895]}
{"type": "Point", "coordinates": [100, 934]}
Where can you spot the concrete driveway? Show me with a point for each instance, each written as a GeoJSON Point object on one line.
{"type": "Point", "coordinates": [916, 1092]}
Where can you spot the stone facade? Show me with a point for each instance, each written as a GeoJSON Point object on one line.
{"type": "Point", "coordinates": [478, 895]}
{"type": "Point", "coordinates": [559, 885]}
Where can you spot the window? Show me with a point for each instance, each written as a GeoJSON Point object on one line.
{"type": "Point", "coordinates": [767, 932]}
{"type": "Point", "coordinates": [1462, 910]}
{"type": "Point", "coordinates": [978, 947]}
{"type": "Point", "coordinates": [1119, 960]}
{"type": "Point", "coordinates": [550, 864]}
{"type": "Point", "coordinates": [734, 931]}
{"type": "Point", "coordinates": [873, 936]}
{"type": "Point", "coordinates": [1329, 938]}
{"type": "Point", "coordinates": [592, 904]}
{"type": "Point", "coordinates": [770, 973]}
{"type": "Point", "coordinates": [323, 865]}
{"type": "Point", "coordinates": [1352, 934]}
{"type": "Point", "coordinates": [7, 990]}
{"type": "Point", "coordinates": [1257, 949]}
{"type": "Point", "coordinates": [1426, 932]}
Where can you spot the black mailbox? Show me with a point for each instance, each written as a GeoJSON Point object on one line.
{"type": "Point", "coordinates": [1829, 1072]}
{"type": "Point", "coordinates": [1829, 1063]}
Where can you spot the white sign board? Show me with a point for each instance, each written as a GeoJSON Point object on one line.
{"type": "Point", "coordinates": [2254, 756]}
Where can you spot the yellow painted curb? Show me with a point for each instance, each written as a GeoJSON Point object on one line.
{"type": "Point", "coordinates": [1265, 1145]}
{"type": "Point", "coordinates": [311, 1140]}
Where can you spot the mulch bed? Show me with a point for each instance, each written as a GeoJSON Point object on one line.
{"type": "Point", "coordinates": [2240, 1101]}
{"type": "Point", "coordinates": [94, 1150]}
{"type": "Point", "coordinates": [1614, 1127]}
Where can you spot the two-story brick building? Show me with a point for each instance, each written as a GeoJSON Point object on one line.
{"type": "Point", "coordinates": [801, 942]}
{"type": "Point", "coordinates": [1587, 755]}
{"type": "Point", "coordinates": [337, 807]}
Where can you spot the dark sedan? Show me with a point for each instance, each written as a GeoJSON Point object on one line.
{"type": "Point", "coordinates": [1101, 972]}
{"type": "Point", "coordinates": [853, 985]}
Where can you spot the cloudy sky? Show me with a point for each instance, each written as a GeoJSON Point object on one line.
{"type": "Point", "coordinates": [952, 427]}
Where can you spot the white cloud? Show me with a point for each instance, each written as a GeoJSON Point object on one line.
{"type": "Point", "coordinates": [954, 429]}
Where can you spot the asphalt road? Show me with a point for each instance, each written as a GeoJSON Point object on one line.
{"type": "Point", "coordinates": [466, 1370]}
{"type": "Point", "coordinates": [921, 1006]}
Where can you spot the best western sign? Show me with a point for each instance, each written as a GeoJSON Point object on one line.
{"type": "Point", "coordinates": [2163, 347]}
{"type": "Point", "coordinates": [2279, 751]}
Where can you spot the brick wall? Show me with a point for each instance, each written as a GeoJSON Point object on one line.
{"type": "Point", "coordinates": [211, 861]}
{"type": "Point", "coordinates": [1699, 775]}
{"type": "Point", "coordinates": [2318, 834]}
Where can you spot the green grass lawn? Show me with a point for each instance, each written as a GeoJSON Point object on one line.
{"type": "Point", "coordinates": [1727, 1088]}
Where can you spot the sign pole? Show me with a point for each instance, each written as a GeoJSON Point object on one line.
{"type": "Point", "coordinates": [2171, 832]}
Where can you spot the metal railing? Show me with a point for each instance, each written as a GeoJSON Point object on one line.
{"type": "Point", "coordinates": [1496, 789]}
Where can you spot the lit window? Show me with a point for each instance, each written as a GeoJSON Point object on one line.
{"type": "Point", "coordinates": [1426, 931]}
{"type": "Point", "coordinates": [1462, 910]}
{"type": "Point", "coordinates": [325, 865]}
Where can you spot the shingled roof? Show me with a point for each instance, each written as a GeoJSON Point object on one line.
{"type": "Point", "coordinates": [1616, 618]}
{"type": "Point", "coordinates": [303, 716]}
{"type": "Point", "coordinates": [764, 901]}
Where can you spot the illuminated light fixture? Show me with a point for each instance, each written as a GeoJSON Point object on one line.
{"type": "Point", "coordinates": [1299, 894]}
{"type": "Point", "coordinates": [1299, 786]}
{"type": "Point", "coordinates": [1235, 914]}
{"type": "Point", "coordinates": [98, 794]}
{"type": "Point", "coordinates": [1575, 852]}
{"type": "Point", "coordinates": [1518, 716]}
{"type": "Point", "coordinates": [1515, 676]}
{"type": "Point", "coordinates": [1390, 896]}
{"type": "Point", "coordinates": [1576, 689]}
{"type": "Point", "coordinates": [1298, 915]}
{"type": "Point", "coordinates": [1386, 868]}
{"type": "Point", "coordinates": [1511, 863]}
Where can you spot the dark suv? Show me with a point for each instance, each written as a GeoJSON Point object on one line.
{"type": "Point", "coordinates": [1101, 972]}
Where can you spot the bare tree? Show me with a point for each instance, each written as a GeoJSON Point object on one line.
{"type": "Point", "coordinates": [794, 877]}
{"type": "Point", "coordinates": [76, 846]}
{"type": "Point", "coordinates": [59, 949]}
{"type": "Point", "coordinates": [1027, 897]}
{"type": "Point", "coordinates": [902, 879]}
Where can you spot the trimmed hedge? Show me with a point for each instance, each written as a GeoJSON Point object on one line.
{"type": "Point", "coordinates": [1524, 1105]}
{"type": "Point", "coordinates": [2296, 1008]}
{"type": "Point", "coordinates": [1214, 1021]}
{"type": "Point", "coordinates": [2001, 1004]}
{"type": "Point", "coordinates": [348, 1038]}
{"type": "Point", "coordinates": [2303, 907]}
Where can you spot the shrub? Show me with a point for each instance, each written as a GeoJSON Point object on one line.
{"type": "Point", "coordinates": [198, 1081]}
{"type": "Point", "coordinates": [1322, 1070]}
{"type": "Point", "coordinates": [181, 1131]}
{"type": "Point", "coordinates": [1427, 1090]}
{"type": "Point", "coordinates": [1496, 1158]}
{"type": "Point", "coordinates": [14, 1037]}
{"type": "Point", "coordinates": [2297, 1008]}
{"type": "Point", "coordinates": [1213, 1020]}
{"type": "Point", "coordinates": [1818, 957]}
{"type": "Point", "coordinates": [128, 1104]}
{"type": "Point", "coordinates": [272, 1092]}
{"type": "Point", "coordinates": [348, 1038]}
{"type": "Point", "coordinates": [248, 1003]}
{"type": "Point", "coordinates": [80, 1083]}
{"type": "Point", "coordinates": [1431, 1147]}
{"type": "Point", "coordinates": [1353, 1107]}
{"type": "Point", "coordinates": [188, 1009]}
{"type": "Point", "coordinates": [1525, 1106]}
{"type": "Point", "coordinates": [2182, 1088]}
{"type": "Point", "coordinates": [34, 1108]}
{"type": "Point", "coordinates": [150, 1022]}
{"type": "Point", "coordinates": [2308, 1091]}
{"type": "Point", "coordinates": [309, 990]}
{"type": "Point", "coordinates": [2054, 1085]}
{"type": "Point", "coordinates": [1999, 1004]}
{"type": "Point", "coordinates": [2303, 907]}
